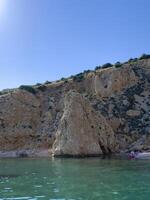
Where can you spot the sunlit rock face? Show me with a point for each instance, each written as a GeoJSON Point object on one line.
{"type": "Point", "coordinates": [113, 81]}
{"type": "Point", "coordinates": [98, 112]}
{"type": "Point", "coordinates": [82, 131]}
{"type": "Point", "coordinates": [19, 116]}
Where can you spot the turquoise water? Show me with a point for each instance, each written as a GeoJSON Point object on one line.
{"type": "Point", "coordinates": [74, 179]}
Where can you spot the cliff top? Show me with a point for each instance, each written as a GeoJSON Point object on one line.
{"type": "Point", "coordinates": [78, 77]}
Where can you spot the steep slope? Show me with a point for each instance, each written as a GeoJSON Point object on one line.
{"type": "Point", "coordinates": [65, 117]}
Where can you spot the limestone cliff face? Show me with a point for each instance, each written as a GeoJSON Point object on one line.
{"type": "Point", "coordinates": [103, 111]}
{"type": "Point", "coordinates": [82, 131]}
{"type": "Point", "coordinates": [19, 116]}
{"type": "Point", "coordinates": [110, 82]}
{"type": "Point", "coordinates": [106, 82]}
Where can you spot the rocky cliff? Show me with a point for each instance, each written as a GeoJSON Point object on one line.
{"type": "Point", "coordinates": [95, 112]}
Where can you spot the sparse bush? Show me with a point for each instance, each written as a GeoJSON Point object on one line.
{"type": "Point", "coordinates": [47, 82]}
{"type": "Point", "coordinates": [144, 56]}
{"type": "Point", "coordinates": [117, 64]}
{"type": "Point", "coordinates": [97, 67]}
{"type": "Point", "coordinates": [131, 60]}
{"type": "Point", "coordinates": [107, 65]}
{"type": "Point", "coordinates": [135, 59]}
{"type": "Point", "coordinates": [2, 92]}
{"type": "Point", "coordinates": [78, 77]}
{"type": "Point", "coordinates": [28, 88]}
{"type": "Point", "coordinates": [63, 79]}
{"type": "Point", "coordinates": [38, 84]}
{"type": "Point", "coordinates": [42, 88]}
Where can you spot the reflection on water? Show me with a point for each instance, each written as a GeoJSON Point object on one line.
{"type": "Point", "coordinates": [74, 179]}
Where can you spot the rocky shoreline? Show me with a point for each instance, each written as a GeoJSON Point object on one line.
{"type": "Point", "coordinates": [47, 154]}
{"type": "Point", "coordinates": [25, 154]}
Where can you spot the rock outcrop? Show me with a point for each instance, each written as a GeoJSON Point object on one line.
{"type": "Point", "coordinates": [111, 81]}
{"type": "Point", "coordinates": [82, 131]}
{"type": "Point", "coordinates": [92, 113]}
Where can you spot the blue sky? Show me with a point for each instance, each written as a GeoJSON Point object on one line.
{"type": "Point", "coordinates": [48, 39]}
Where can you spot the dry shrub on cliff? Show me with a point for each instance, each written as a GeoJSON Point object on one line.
{"type": "Point", "coordinates": [28, 88]}
{"type": "Point", "coordinates": [117, 64]}
{"type": "Point", "coordinates": [78, 77]}
{"type": "Point", "coordinates": [144, 56]}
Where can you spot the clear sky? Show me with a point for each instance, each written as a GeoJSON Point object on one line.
{"type": "Point", "coordinates": [48, 39]}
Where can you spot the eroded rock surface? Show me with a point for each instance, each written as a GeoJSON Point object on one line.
{"type": "Point", "coordinates": [82, 131]}
{"type": "Point", "coordinates": [107, 110]}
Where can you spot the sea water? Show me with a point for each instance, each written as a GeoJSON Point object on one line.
{"type": "Point", "coordinates": [74, 179]}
